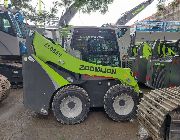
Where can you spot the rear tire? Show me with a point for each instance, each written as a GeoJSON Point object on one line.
{"type": "Point", "coordinates": [71, 105]}
{"type": "Point", "coordinates": [120, 103]}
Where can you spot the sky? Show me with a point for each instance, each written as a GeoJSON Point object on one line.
{"type": "Point", "coordinates": [115, 10]}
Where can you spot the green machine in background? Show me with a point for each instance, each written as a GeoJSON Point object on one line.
{"type": "Point", "coordinates": [55, 79]}
{"type": "Point", "coordinates": [151, 41]}
{"type": "Point", "coordinates": [144, 53]}
{"type": "Point", "coordinates": [163, 71]}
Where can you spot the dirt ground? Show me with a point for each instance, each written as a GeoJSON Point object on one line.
{"type": "Point", "coordinates": [19, 123]}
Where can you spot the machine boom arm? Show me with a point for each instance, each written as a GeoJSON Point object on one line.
{"type": "Point", "coordinates": [133, 12]}
{"type": "Point", "coordinates": [68, 15]}
{"type": "Point", "coordinates": [46, 51]}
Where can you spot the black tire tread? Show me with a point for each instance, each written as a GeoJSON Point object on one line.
{"type": "Point", "coordinates": [71, 88]}
{"type": "Point", "coordinates": [114, 89]}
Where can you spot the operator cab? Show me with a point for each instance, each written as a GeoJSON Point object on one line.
{"type": "Point", "coordinates": [100, 45]}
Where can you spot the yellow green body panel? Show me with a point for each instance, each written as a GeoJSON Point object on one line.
{"type": "Point", "coordinates": [162, 48]}
{"type": "Point", "coordinates": [135, 51]}
{"type": "Point", "coordinates": [147, 51]}
{"type": "Point", "coordinates": [60, 81]}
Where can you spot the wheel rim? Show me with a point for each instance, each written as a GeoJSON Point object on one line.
{"type": "Point", "coordinates": [123, 104]}
{"type": "Point", "coordinates": [71, 107]}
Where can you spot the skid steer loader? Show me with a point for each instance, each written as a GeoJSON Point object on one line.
{"type": "Point", "coordinates": [57, 80]}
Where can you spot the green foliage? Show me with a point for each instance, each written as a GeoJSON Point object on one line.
{"type": "Point", "coordinates": [88, 6]}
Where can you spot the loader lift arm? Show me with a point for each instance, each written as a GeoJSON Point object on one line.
{"type": "Point", "coordinates": [133, 12]}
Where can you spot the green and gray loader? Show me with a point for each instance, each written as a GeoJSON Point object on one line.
{"type": "Point", "coordinates": [147, 53]}
{"type": "Point", "coordinates": [55, 79]}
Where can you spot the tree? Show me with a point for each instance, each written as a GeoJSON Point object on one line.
{"type": "Point", "coordinates": [85, 6]}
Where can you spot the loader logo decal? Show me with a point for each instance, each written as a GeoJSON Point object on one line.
{"type": "Point", "coordinates": [97, 69]}
{"type": "Point", "coordinates": [52, 49]}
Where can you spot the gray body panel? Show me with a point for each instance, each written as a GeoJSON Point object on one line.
{"type": "Point", "coordinates": [9, 45]}
{"type": "Point", "coordinates": [97, 89]}
{"type": "Point", "coordinates": [123, 41]}
{"type": "Point", "coordinates": [152, 71]}
{"type": "Point", "coordinates": [38, 87]}
{"type": "Point", "coordinates": [140, 68]}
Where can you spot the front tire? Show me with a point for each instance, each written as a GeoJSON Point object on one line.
{"type": "Point", "coordinates": [120, 103]}
{"type": "Point", "coordinates": [71, 105]}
